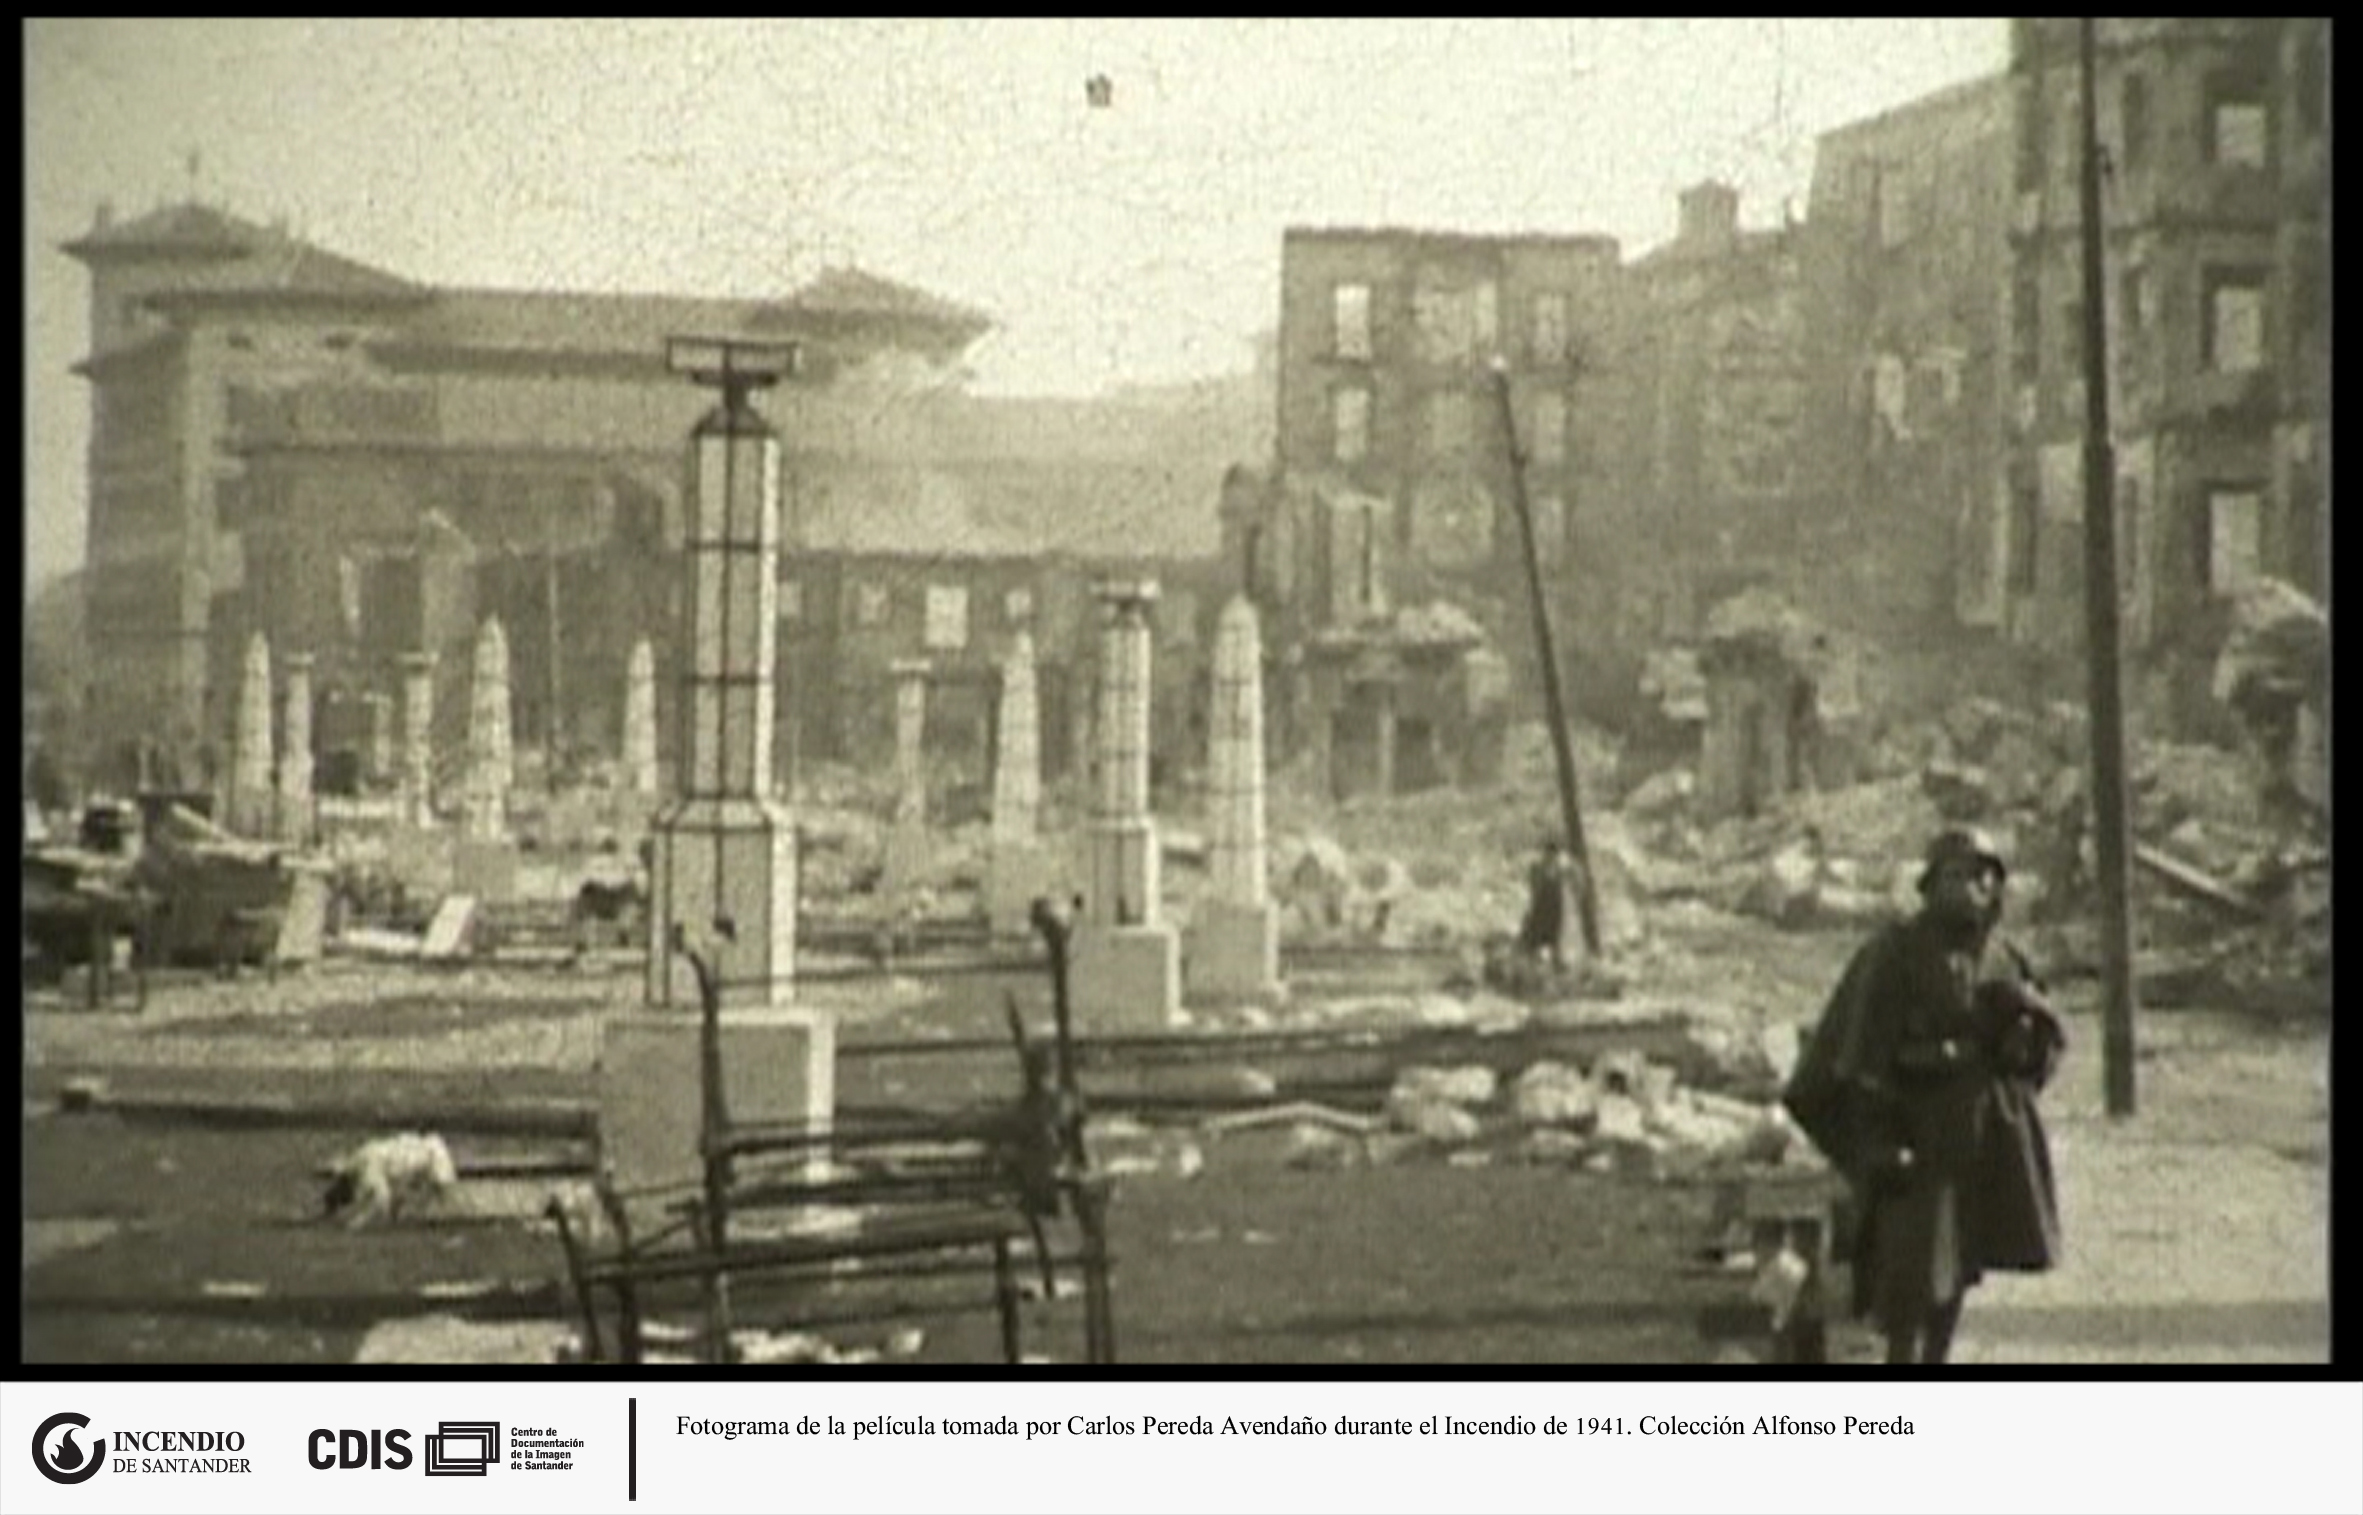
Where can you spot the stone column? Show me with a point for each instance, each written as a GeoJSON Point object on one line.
{"type": "Point", "coordinates": [295, 756]}
{"type": "Point", "coordinates": [491, 753]}
{"type": "Point", "coordinates": [1017, 764]}
{"type": "Point", "coordinates": [640, 775]}
{"type": "Point", "coordinates": [906, 838]}
{"type": "Point", "coordinates": [724, 869]}
{"type": "Point", "coordinates": [1233, 950]}
{"type": "Point", "coordinates": [484, 857]}
{"type": "Point", "coordinates": [252, 804]}
{"type": "Point", "coordinates": [1127, 962]}
{"type": "Point", "coordinates": [418, 739]}
{"type": "Point", "coordinates": [1022, 867]}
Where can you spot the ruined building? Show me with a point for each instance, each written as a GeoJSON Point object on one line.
{"type": "Point", "coordinates": [1716, 368]}
{"type": "Point", "coordinates": [2216, 211]}
{"type": "Point", "coordinates": [360, 466]}
{"type": "Point", "coordinates": [1382, 549]}
{"type": "Point", "coordinates": [1905, 276]}
{"type": "Point", "coordinates": [291, 442]}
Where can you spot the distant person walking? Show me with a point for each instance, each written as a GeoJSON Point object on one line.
{"type": "Point", "coordinates": [1543, 933]}
{"type": "Point", "coordinates": [1919, 1085]}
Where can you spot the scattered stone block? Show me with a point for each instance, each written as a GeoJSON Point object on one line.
{"type": "Point", "coordinates": [1554, 1095]}
{"type": "Point", "coordinates": [1232, 954]}
{"type": "Point", "coordinates": [303, 925]}
{"type": "Point", "coordinates": [1126, 977]}
{"type": "Point", "coordinates": [450, 933]}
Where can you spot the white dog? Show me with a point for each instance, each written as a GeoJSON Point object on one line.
{"type": "Point", "coordinates": [379, 1179]}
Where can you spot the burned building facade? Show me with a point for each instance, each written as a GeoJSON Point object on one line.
{"type": "Point", "coordinates": [2215, 209]}
{"type": "Point", "coordinates": [1905, 270]}
{"type": "Point", "coordinates": [1716, 371]}
{"type": "Point", "coordinates": [1383, 546]}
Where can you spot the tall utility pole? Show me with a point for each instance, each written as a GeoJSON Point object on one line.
{"type": "Point", "coordinates": [2109, 816]}
{"type": "Point", "coordinates": [550, 732]}
{"type": "Point", "coordinates": [1547, 654]}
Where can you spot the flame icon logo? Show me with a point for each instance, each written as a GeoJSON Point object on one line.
{"type": "Point", "coordinates": [67, 1462]}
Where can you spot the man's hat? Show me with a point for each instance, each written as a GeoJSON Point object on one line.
{"type": "Point", "coordinates": [1960, 844]}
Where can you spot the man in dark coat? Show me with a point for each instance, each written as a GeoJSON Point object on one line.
{"type": "Point", "coordinates": [1919, 1085]}
{"type": "Point", "coordinates": [1542, 934]}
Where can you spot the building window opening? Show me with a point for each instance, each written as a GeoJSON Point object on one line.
{"type": "Point", "coordinates": [1550, 428]}
{"type": "Point", "coordinates": [946, 628]}
{"type": "Point", "coordinates": [2235, 322]}
{"type": "Point", "coordinates": [2229, 547]}
{"type": "Point", "coordinates": [1550, 329]}
{"type": "Point", "coordinates": [2236, 125]}
{"type": "Point", "coordinates": [1350, 425]}
{"type": "Point", "coordinates": [1370, 561]}
{"type": "Point", "coordinates": [2133, 121]}
{"type": "Point", "coordinates": [1448, 425]}
{"type": "Point", "coordinates": [1352, 315]}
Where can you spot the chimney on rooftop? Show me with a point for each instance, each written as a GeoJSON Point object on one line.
{"type": "Point", "coordinates": [106, 215]}
{"type": "Point", "coordinates": [1710, 218]}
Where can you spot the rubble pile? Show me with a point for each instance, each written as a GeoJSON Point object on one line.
{"type": "Point", "coordinates": [2212, 865]}
{"type": "Point", "coordinates": [1627, 1114]}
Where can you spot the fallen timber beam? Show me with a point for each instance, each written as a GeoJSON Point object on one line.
{"type": "Point", "coordinates": [2195, 884]}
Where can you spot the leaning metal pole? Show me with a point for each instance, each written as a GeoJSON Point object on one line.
{"type": "Point", "coordinates": [1546, 653]}
{"type": "Point", "coordinates": [2110, 821]}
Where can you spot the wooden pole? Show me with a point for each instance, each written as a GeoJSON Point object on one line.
{"type": "Point", "coordinates": [2103, 654]}
{"type": "Point", "coordinates": [1546, 652]}
{"type": "Point", "coordinates": [552, 728]}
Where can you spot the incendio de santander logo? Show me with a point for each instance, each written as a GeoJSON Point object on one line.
{"type": "Point", "coordinates": [60, 1455]}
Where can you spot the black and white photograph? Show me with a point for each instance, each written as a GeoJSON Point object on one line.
{"type": "Point", "coordinates": [1140, 694]}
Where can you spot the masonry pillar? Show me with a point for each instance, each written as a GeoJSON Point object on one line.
{"type": "Point", "coordinates": [906, 836]}
{"type": "Point", "coordinates": [724, 869]}
{"type": "Point", "coordinates": [491, 758]}
{"type": "Point", "coordinates": [1127, 963]}
{"type": "Point", "coordinates": [484, 859]}
{"type": "Point", "coordinates": [1022, 867]}
{"type": "Point", "coordinates": [1233, 949]}
{"type": "Point", "coordinates": [640, 773]}
{"type": "Point", "coordinates": [251, 801]}
{"type": "Point", "coordinates": [418, 739]}
{"type": "Point", "coordinates": [295, 758]}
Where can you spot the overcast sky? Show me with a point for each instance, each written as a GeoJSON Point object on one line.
{"type": "Point", "coordinates": [1136, 243]}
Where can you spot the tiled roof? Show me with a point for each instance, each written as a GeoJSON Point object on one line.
{"type": "Point", "coordinates": [190, 227]}
{"type": "Point", "coordinates": [505, 320]}
{"type": "Point", "coordinates": [230, 255]}
{"type": "Point", "coordinates": [283, 265]}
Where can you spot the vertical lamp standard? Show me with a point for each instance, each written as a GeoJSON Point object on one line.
{"type": "Point", "coordinates": [725, 863]}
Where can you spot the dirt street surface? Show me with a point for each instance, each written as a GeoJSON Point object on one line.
{"type": "Point", "coordinates": [2197, 1231]}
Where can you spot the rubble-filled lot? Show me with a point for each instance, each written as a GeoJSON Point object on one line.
{"type": "Point", "coordinates": [1409, 1160]}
